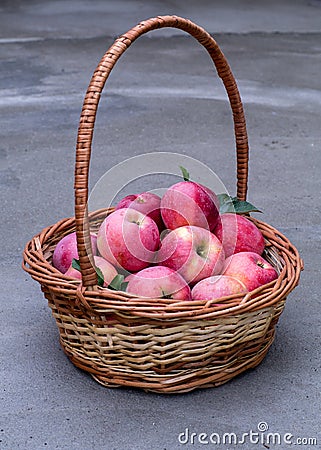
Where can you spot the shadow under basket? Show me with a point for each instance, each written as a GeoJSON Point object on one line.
{"type": "Point", "coordinates": [159, 345]}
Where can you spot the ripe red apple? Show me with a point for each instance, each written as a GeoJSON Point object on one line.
{"type": "Point", "coordinates": [108, 270]}
{"type": "Point", "coordinates": [250, 268]}
{"type": "Point", "coordinates": [158, 282]}
{"type": "Point", "coordinates": [238, 234]}
{"type": "Point", "coordinates": [66, 250]}
{"type": "Point", "coordinates": [147, 203]}
{"type": "Point", "coordinates": [194, 252]}
{"type": "Point", "coordinates": [218, 286]}
{"type": "Point", "coordinates": [128, 239]}
{"type": "Point", "coordinates": [189, 203]}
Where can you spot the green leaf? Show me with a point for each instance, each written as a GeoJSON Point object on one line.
{"type": "Point", "coordinates": [223, 198]}
{"type": "Point", "coordinates": [123, 286]}
{"type": "Point", "coordinates": [230, 204]}
{"type": "Point", "coordinates": [185, 173]}
{"type": "Point", "coordinates": [75, 264]}
{"type": "Point", "coordinates": [242, 206]}
{"type": "Point", "coordinates": [226, 203]}
{"type": "Point", "coordinates": [100, 277]}
{"type": "Point", "coordinates": [118, 283]}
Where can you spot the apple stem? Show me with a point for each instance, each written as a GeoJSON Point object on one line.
{"type": "Point", "coordinates": [201, 251]}
{"type": "Point", "coordinates": [165, 295]}
{"type": "Point", "coordinates": [136, 222]}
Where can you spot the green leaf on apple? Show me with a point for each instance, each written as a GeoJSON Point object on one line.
{"type": "Point", "coordinates": [242, 206]}
{"type": "Point", "coordinates": [118, 283]}
{"type": "Point", "coordinates": [230, 204]}
{"type": "Point", "coordinates": [75, 264]}
{"type": "Point", "coordinates": [185, 173]}
{"type": "Point", "coordinates": [100, 278]}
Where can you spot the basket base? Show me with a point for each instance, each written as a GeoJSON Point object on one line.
{"type": "Point", "coordinates": [175, 382]}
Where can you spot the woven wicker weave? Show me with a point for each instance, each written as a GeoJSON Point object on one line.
{"type": "Point", "coordinates": [159, 345]}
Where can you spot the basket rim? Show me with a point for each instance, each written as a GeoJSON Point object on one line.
{"type": "Point", "coordinates": [99, 300]}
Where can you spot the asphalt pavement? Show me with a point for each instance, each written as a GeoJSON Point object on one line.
{"type": "Point", "coordinates": [163, 96]}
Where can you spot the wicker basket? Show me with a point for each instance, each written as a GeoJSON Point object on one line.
{"type": "Point", "coordinates": [159, 345]}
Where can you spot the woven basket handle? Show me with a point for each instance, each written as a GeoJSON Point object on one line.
{"type": "Point", "coordinates": [88, 114]}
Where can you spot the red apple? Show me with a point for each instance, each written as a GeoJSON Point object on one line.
{"type": "Point", "coordinates": [66, 250]}
{"type": "Point", "coordinates": [238, 234]}
{"type": "Point", "coordinates": [128, 239]}
{"type": "Point", "coordinates": [189, 203]}
{"type": "Point", "coordinates": [194, 252]}
{"type": "Point", "coordinates": [108, 270]}
{"type": "Point", "coordinates": [158, 282]}
{"type": "Point", "coordinates": [212, 288]}
{"type": "Point", "coordinates": [146, 203]}
{"type": "Point", "coordinates": [250, 268]}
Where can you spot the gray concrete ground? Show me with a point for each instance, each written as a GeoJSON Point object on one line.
{"type": "Point", "coordinates": [162, 96]}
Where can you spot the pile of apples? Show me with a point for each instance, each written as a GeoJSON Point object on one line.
{"type": "Point", "coordinates": [177, 246]}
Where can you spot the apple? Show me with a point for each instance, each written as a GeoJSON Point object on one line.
{"type": "Point", "coordinates": [238, 234]}
{"type": "Point", "coordinates": [158, 282]}
{"type": "Point", "coordinates": [218, 286]}
{"type": "Point", "coordinates": [128, 239]}
{"type": "Point", "coordinates": [108, 270]}
{"type": "Point", "coordinates": [250, 268]}
{"type": "Point", "coordinates": [130, 276]}
{"type": "Point", "coordinates": [66, 250]}
{"type": "Point", "coordinates": [192, 251]}
{"type": "Point", "coordinates": [147, 203]}
{"type": "Point", "coordinates": [189, 203]}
